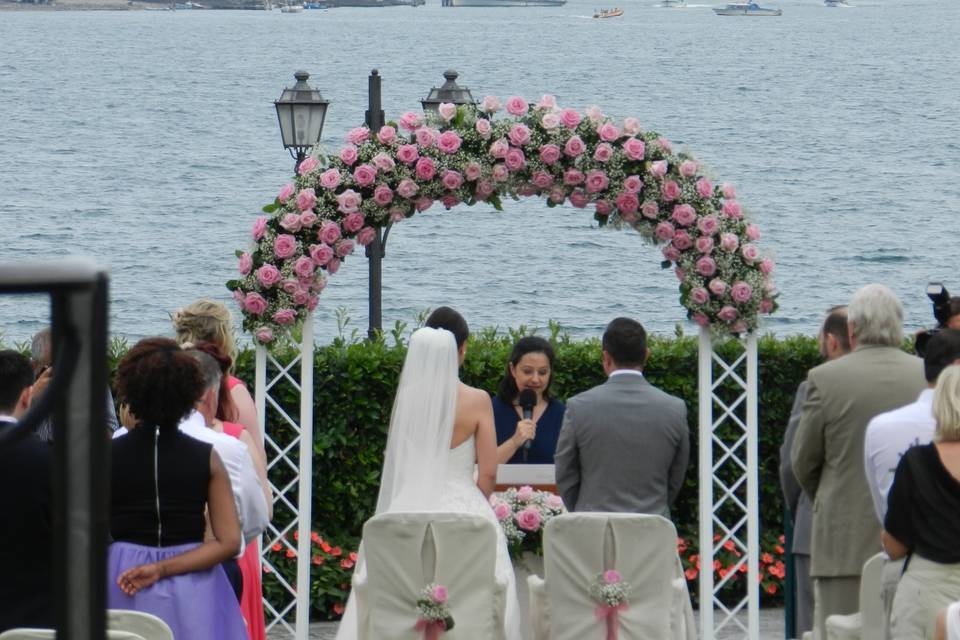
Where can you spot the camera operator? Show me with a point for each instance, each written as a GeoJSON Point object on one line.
{"type": "Point", "coordinates": [946, 311]}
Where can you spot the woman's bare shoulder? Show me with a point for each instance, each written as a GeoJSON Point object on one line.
{"type": "Point", "coordinates": [473, 397]}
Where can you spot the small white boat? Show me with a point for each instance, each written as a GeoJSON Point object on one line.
{"type": "Point", "coordinates": [291, 8]}
{"type": "Point", "coordinates": [746, 9]}
{"type": "Point", "coordinates": [609, 13]}
{"type": "Point", "coordinates": [835, 3]}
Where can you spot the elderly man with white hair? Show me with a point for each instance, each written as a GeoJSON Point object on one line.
{"type": "Point", "coordinates": [827, 456]}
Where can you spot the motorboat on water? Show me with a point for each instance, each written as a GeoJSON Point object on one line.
{"type": "Point", "coordinates": [835, 3]}
{"type": "Point", "coordinates": [746, 9]}
{"type": "Point", "coordinates": [608, 13]}
{"type": "Point", "coordinates": [291, 8]}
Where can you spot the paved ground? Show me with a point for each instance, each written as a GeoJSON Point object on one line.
{"type": "Point", "coordinates": [771, 628]}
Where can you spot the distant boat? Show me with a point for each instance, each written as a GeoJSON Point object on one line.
{"type": "Point", "coordinates": [746, 9]}
{"type": "Point", "coordinates": [673, 3]}
{"type": "Point", "coordinates": [835, 3]}
{"type": "Point", "coordinates": [608, 13]}
{"type": "Point", "coordinates": [291, 8]}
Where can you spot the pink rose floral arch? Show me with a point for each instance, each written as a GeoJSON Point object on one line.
{"type": "Point", "coordinates": [630, 177]}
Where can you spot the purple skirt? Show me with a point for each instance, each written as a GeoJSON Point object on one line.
{"type": "Point", "coordinates": [199, 605]}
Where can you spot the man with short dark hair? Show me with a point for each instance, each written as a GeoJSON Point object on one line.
{"type": "Point", "coordinates": [624, 445]}
{"type": "Point", "coordinates": [25, 505]}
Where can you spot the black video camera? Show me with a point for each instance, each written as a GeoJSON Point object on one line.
{"type": "Point", "coordinates": [941, 312]}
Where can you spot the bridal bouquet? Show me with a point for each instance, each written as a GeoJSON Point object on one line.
{"type": "Point", "coordinates": [435, 617]}
{"type": "Point", "coordinates": [523, 513]}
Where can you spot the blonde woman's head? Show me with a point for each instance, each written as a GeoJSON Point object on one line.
{"type": "Point", "coordinates": [205, 321]}
{"type": "Point", "coordinates": [946, 405]}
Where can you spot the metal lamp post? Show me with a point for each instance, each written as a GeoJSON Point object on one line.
{"type": "Point", "coordinates": [301, 111]}
{"type": "Point", "coordinates": [450, 92]}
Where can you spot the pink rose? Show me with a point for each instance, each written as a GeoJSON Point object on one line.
{"type": "Point", "coordinates": [330, 179]}
{"type": "Point", "coordinates": [603, 208]}
{"type": "Point", "coordinates": [358, 135]}
{"type": "Point", "coordinates": [268, 275]}
{"type": "Point", "coordinates": [483, 127]}
{"type": "Point", "coordinates": [579, 199]}
{"type": "Point", "coordinates": [627, 202]}
{"type": "Point", "coordinates": [603, 152]}
{"type": "Point", "coordinates": [717, 287]}
{"type": "Point", "coordinates": [382, 195]}
{"type": "Point", "coordinates": [263, 335]}
{"type": "Point", "coordinates": [597, 180]}
{"type": "Point", "coordinates": [699, 295]}
{"type": "Point", "coordinates": [383, 162]}
{"type": "Point", "coordinates": [766, 306]}
{"type": "Point", "coordinates": [425, 169]}
{"type": "Point", "coordinates": [291, 222]}
{"type": "Point", "coordinates": [542, 179]}
{"type": "Point", "coordinates": [246, 263]}
{"type": "Point", "coordinates": [517, 106]}
{"type": "Point", "coordinates": [407, 188]}
{"type": "Point", "coordinates": [500, 172]}
{"type": "Point", "coordinates": [528, 519]}
{"type": "Point", "coordinates": [608, 132]}
{"type": "Point", "coordinates": [728, 314]}
{"type": "Point", "coordinates": [472, 171]}
{"type": "Point", "coordinates": [343, 248]}
{"type": "Point", "coordinates": [303, 267]}
{"type": "Point", "coordinates": [499, 149]}
{"type": "Point", "coordinates": [611, 576]}
{"type": "Point", "coordinates": [683, 214]}
{"type": "Point", "coordinates": [284, 246]}
{"type": "Point", "coordinates": [423, 203]}
{"type": "Point", "coordinates": [650, 210]}
{"type": "Point", "coordinates": [574, 147]}
{"type": "Point", "coordinates": [682, 241]}
{"type": "Point", "coordinates": [320, 254]}
{"type": "Point", "coordinates": [704, 244]}
{"type": "Point", "coordinates": [329, 232]}
{"type": "Point", "coordinates": [519, 135]}
{"type": "Point", "coordinates": [426, 137]}
{"type": "Point", "coordinates": [451, 180]}
{"type": "Point", "coordinates": [549, 153]}
{"type": "Point", "coordinates": [665, 145]}
{"type": "Point", "coordinates": [572, 177]}
{"type": "Point", "coordinates": [708, 225]}
{"type": "Point", "coordinates": [255, 304]}
{"type": "Point", "coordinates": [447, 111]}
{"type": "Point", "coordinates": [704, 188]}
{"type": "Point", "coordinates": [728, 191]}
{"type": "Point", "coordinates": [554, 501]}
{"type": "Point", "coordinates": [301, 297]}
{"type": "Point", "coordinates": [290, 286]}
{"type": "Point", "coordinates": [701, 319]}
{"type": "Point", "coordinates": [766, 266]}
{"type": "Point", "coordinates": [631, 126]}
{"type": "Point", "coordinates": [387, 134]}
{"type": "Point", "coordinates": [634, 148]}
{"type": "Point", "coordinates": [449, 142]}
{"type": "Point", "coordinates": [306, 199]}
{"type": "Point", "coordinates": [731, 209]}
{"type": "Point", "coordinates": [484, 189]}
{"type": "Point", "coordinates": [671, 253]}
{"type": "Point", "coordinates": [411, 121]}
{"type": "Point", "coordinates": [670, 191]}
{"type": "Point", "coordinates": [633, 183]}
{"type": "Point", "coordinates": [688, 168]}
{"type": "Point", "coordinates": [664, 231]}
{"type": "Point", "coordinates": [349, 155]}
{"type": "Point", "coordinates": [284, 316]}
{"type": "Point", "coordinates": [397, 214]}
{"type": "Point", "coordinates": [658, 169]}
{"type": "Point", "coordinates": [333, 266]}
{"type": "Point", "coordinates": [364, 175]}
{"type": "Point", "coordinates": [753, 232]}
{"type": "Point", "coordinates": [706, 266]}
{"type": "Point", "coordinates": [308, 165]}
{"type": "Point", "coordinates": [439, 594]}
{"type": "Point", "coordinates": [729, 242]}
{"type": "Point", "coordinates": [353, 222]}
{"type": "Point", "coordinates": [308, 219]}
{"type": "Point", "coordinates": [570, 118]}
{"type": "Point", "coordinates": [515, 160]}
{"type": "Point", "coordinates": [750, 252]}
{"type": "Point", "coordinates": [741, 292]}
{"type": "Point", "coordinates": [594, 114]}
{"type": "Point", "coordinates": [558, 195]}
{"type": "Point", "coordinates": [312, 302]}
{"type": "Point", "coordinates": [491, 104]}
{"type": "Point", "coordinates": [408, 153]}
{"type": "Point", "coordinates": [547, 102]}
{"type": "Point", "coordinates": [366, 236]}
{"type": "Point", "coordinates": [286, 192]}
{"type": "Point", "coordinates": [349, 201]}
{"type": "Point", "coordinates": [550, 121]}
{"type": "Point", "coordinates": [449, 201]}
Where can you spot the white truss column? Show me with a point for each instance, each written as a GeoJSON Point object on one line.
{"type": "Point", "coordinates": [289, 467]}
{"type": "Point", "coordinates": [729, 483]}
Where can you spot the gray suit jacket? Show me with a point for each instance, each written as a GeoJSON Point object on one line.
{"type": "Point", "coordinates": [623, 447]}
{"type": "Point", "coordinates": [827, 453]}
{"type": "Point", "coordinates": [801, 507]}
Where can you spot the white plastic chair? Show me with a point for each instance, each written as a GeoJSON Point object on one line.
{"type": "Point", "coordinates": [50, 634]}
{"type": "Point", "coordinates": [869, 622]}
{"type": "Point", "coordinates": [643, 548]}
{"type": "Point", "coordinates": [405, 551]}
{"type": "Point", "coordinates": [147, 625]}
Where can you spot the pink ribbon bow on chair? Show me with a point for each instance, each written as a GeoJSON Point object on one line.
{"type": "Point", "coordinates": [432, 630]}
{"type": "Point", "coordinates": [612, 616]}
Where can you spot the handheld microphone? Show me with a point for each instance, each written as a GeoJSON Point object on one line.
{"type": "Point", "coordinates": [527, 401]}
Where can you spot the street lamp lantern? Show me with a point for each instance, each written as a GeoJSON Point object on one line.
{"type": "Point", "coordinates": [450, 92]}
{"type": "Point", "coordinates": [301, 111]}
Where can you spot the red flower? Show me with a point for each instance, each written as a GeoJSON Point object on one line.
{"type": "Point", "coordinates": [291, 553]}
{"type": "Point", "coordinates": [346, 563]}
{"type": "Point", "coordinates": [338, 608]}
{"type": "Point", "coordinates": [771, 589]}
{"type": "Point", "coordinates": [315, 537]}
{"type": "Point", "coordinates": [317, 559]}
{"type": "Point", "coordinates": [729, 545]}
{"type": "Point", "coordinates": [353, 556]}
{"type": "Point", "coordinates": [716, 565]}
{"type": "Point", "coordinates": [326, 547]}
{"type": "Point", "coordinates": [267, 569]}
{"type": "Point", "coordinates": [296, 535]}
{"type": "Point", "coordinates": [691, 574]}
{"type": "Point", "coordinates": [276, 546]}
{"type": "Point", "coordinates": [766, 558]}
{"type": "Point", "coordinates": [781, 539]}
{"type": "Point", "coordinates": [336, 552]}
{"type": "Point", "coordinates": [743, 568]}
{"type": "Point", "coordinates": [723, 573]}
{"type": "Point", "coordinates": [778, 549]}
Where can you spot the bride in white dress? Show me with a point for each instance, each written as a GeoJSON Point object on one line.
{"type": "Point", "coordinates": [439, 429]}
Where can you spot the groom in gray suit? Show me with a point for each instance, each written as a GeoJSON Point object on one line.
{"type": "Point", "coordinates": [624, 445]}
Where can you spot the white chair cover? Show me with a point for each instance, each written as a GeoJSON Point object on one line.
{"type": "Point", "coordinates": [406, 551]}
{"type": "Point", "coordinates": [643, 548]}
{"type": "Point", "coordinates": [143, 624]}
{"type": "Point", "coordinates": [870, 621]}
{"type": "Point", "coordinates": [50, 634]}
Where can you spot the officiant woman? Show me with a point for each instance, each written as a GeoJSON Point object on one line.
{"type": "Point", "coordinates": [532, 441]}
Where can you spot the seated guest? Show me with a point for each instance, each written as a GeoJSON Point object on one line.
{"type": "Point", "coordinates": [520, 440]}
{"type": "Point", "coordinates": [923, 519]}
{"type": "Point", "coordinates": [25, 502]}
{"type": "Point", "coordinates": [624, 445]}
{"type": "Point", "coordinates": [162, 482]}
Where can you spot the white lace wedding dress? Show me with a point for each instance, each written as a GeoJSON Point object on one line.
{"type": "Point", "coordinates": [461, 494]}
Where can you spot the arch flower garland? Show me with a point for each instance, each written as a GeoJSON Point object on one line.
{"type": "Point", "coordinates": [466, 155]}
